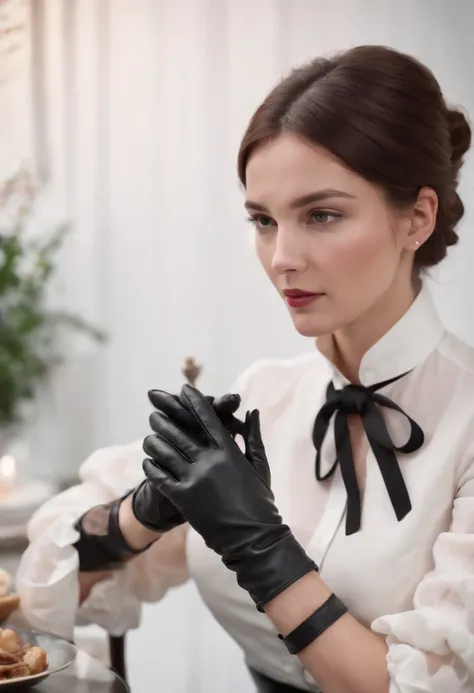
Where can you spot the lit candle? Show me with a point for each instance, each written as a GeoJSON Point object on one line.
{"type": "Point", "coordinates": [8, 475]}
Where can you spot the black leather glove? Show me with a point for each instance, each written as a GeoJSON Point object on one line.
{"type": "Point", "coordinates": [149, 506]}
{"type": "Point", "coordinates": [225, 495]}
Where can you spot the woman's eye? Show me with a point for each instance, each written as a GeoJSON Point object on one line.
{"type": "Point", "coordinates": [261, 221]}
{"type": "Point", "coordinates": [322, 217]}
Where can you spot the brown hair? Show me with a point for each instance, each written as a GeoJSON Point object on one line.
{"type": "Point", "coordinates": [383, 114]}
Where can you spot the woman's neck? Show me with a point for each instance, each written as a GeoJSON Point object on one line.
{"type": "Point", "coordinates": [347, 346]}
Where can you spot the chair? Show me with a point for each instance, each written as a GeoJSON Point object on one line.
{"type": "Point", "coordinates": [117, 655]}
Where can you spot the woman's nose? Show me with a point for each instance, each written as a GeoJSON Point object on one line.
{"type": "Point", "coordinates": [289, 252]}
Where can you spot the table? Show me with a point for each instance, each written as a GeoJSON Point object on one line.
{"type": "Point", "coordinates": [86, 675]}
{"type": "Point", "coordinates": [90, 638]}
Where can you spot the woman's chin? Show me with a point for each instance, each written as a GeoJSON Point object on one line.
{"type": "Point", "coordinates": [311, 325]}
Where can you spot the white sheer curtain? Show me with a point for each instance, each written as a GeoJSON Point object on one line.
{"type": "Point", "coordinates": [145, 104]}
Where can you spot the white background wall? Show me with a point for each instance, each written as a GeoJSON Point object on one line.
{"type": "Point", "coordinates": [146, 101]}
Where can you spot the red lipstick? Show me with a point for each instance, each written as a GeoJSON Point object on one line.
{"type": "Point", "coordinates": [296, 298]}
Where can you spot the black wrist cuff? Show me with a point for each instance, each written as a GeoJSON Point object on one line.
{"type": "Point", "coordinates": [308, 631]}
{"type": "Point", "coordinates": [101, 544]}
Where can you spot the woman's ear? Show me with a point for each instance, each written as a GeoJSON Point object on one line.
{"type": "Point", "coordinates": [422, 219]}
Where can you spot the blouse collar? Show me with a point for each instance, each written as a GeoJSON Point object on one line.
{"type": "Point", "coordinates": [407, 344]}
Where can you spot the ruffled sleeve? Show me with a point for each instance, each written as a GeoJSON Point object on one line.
{"type": "Point", "coordinates": [47, 578]}
{"type": "Point", "coordinates": [431, 648]}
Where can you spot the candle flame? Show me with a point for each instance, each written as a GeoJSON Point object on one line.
{"type": "Point", "coordinates": [7, 468]}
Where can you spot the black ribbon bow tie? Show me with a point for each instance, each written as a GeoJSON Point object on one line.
{"type": "Point", "coordinates": [364, 401]}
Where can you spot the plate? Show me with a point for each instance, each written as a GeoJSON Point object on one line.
{"type": "Point", "coordinates": [60, 653]}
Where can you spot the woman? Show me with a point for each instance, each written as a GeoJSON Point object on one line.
{"type": "Point", "coordinates": [366, 568]}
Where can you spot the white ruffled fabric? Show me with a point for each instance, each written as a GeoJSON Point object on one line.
{"type": "Point", "coordinates": [47, 578]}
{"type": "Point", "coordinates": [431, 648]}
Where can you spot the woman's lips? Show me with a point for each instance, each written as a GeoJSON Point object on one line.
{"type": "Point", "coordinates": [296, 298]}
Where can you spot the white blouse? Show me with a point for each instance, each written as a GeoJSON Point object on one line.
{"type": "Point", "coordinates": [411, 581]}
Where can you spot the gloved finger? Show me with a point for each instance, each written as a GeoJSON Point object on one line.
{"type": "Point", "coordinates": [254, 447]}
{"type": "Point", "coordinates": [172, 406]}
{"type": "Point", "coordinates": [174, 409]}
{"type": "Point", "coordinates": [173, 449]}
{"type": "Point", "coordinates": [160, 478]}
{"type": "Point", "coordinates": [204, 413]}
{"type": "Point", "coordinates": [228, 403]}
{"type": "Point", "coordinates": [225, 408]}
{"type": "Point", "coordinates": [152, 394]}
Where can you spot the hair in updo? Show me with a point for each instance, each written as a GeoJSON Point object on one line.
{"type": "Point", "coordinates": [383, 114]}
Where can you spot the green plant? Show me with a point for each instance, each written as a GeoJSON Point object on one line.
{"type": "Point", "coordinates": [32, 332]}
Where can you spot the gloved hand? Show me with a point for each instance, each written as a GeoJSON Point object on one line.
{"type": "Point", "coordinates": [225, 495]}
{"type": "Point", "coordinates": [149, 506]}
{"type": "Point", "coordinates": [225, 408]}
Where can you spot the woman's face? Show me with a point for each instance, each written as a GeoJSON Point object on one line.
{"type": "Point", "coordinates": [323, 230]}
